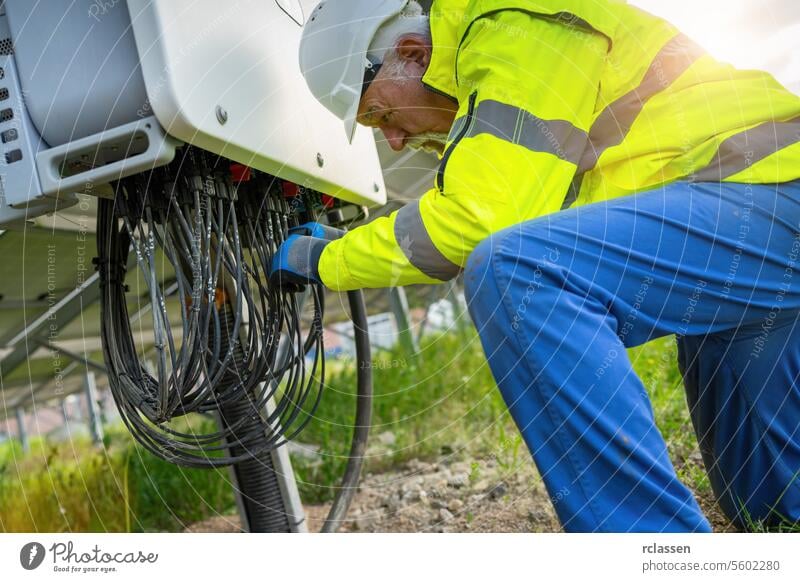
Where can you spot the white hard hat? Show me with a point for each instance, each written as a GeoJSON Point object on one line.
{"type": "Point", "coordinates": [333, 52]}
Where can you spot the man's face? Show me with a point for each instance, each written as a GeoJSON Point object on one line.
{"type": "Point", "coordinates": [398, 104]}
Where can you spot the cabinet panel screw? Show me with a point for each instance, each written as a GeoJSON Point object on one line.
{"type": "Point", "coordinates": [222, 115]}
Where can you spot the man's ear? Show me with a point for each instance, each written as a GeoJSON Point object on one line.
{"type": "Point", "coordinates": [414, 49]}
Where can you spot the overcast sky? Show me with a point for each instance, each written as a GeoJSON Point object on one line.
{"type": "Point", "coordinates": [762, 34]}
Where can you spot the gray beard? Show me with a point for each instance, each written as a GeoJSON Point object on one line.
{"type": "Point", "coordinates": [429, 141]}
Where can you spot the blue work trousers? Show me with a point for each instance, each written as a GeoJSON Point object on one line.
{"type": "Point", "coordinates": [556, 301]}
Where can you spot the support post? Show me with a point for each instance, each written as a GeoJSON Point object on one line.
{"type": "Point", "coordinates": [460, 317]}
{"type": "Point", "coordinates": [95, 426]}
{"type": "Point", "coordinates": [399, 306]}
{"type": "Point", "coordinates": [23, 434]}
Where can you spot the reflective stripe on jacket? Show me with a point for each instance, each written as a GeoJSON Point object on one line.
{"type": "Point", "coordinates": [566, 102]}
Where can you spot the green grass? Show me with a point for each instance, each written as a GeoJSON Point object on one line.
{"type": "Point", "coordinates": [656, 365]}
{"type": "Point", "coordinates": [442, 402]}
{"type": "Point", "coordinates": [781, 524]}
{"type": "Point", "coordinates": [118, 487]}
{"type": "Point", "coordinates": [776, 521]}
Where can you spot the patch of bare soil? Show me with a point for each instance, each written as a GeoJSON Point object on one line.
{"type": "Point", "coordinates": [452, 497]}
{"type": "Point", "coordinates": [478, 496]}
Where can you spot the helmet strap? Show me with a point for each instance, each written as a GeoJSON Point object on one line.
{"type": "Point", "coordinates": [371, 69]}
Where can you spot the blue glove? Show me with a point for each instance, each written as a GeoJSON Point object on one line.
{"type": "Point", "coordinates": [317, 230]}
{"type": "Point", "coordinates": [297, 261]}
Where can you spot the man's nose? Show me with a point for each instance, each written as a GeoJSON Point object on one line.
{"type": "Point", "coordinates": [394, 137]}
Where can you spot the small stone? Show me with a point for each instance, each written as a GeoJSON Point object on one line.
{"type": "Point", "coordinates": [438, 504]}
{"type": "Point", "coordinates": [455, 505]}
{"type": "Point", "coordinates": [413, 496]}
{"type": "Point", "coordinates": [413, 465]}
{"type": "Point", "coordinates": [537, 515]}
{"type": "Point", "coordinates": [458, 480]}
{"type": "Point", "coordinates": [445, 515]}
{"type": "Point", "coordinates": [481, 485]}
{"type": "Point", "coordinates": [476, 498]}
{"type": "Point", "coordinates": [498, 491]}
{"type": "Point", "coordinates": [387, 438]}
{"type": "Point", "coordinates": [366, 521]}
{"type": "Point", "coordinates": [393, 504]}
{"type": "Point", "coordinates": [412, 484]}
{"type": "Point", "coordinates": [438, 493]}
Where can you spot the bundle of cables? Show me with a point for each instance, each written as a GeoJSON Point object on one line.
{"type": "Point", "coordinates": [236, 350]}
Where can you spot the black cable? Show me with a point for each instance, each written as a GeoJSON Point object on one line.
{"type": "Point", "coordinates": [190, 218]}
{"type": "Point", "coordinates": [218, 239]}
{"type": "Point", "coordinates": [363, 419]}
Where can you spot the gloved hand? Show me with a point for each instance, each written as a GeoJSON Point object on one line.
{"type": "Point", "coordinates": [317, 230]}
{"type": "Point", "coordinates": [296, 262]}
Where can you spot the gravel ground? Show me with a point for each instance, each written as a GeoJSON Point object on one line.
{"type": "Point", "coordinates": [444, 496]}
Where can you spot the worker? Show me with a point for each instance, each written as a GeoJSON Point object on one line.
{"type": "Point", "coordinates": [603, 182]}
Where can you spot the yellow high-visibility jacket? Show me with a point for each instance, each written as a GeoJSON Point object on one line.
{"type": "Point", "coordinates": [565, 102]}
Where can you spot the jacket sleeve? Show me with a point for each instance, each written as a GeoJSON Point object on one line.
{"type": "Point", "coordinates": [527, 90]}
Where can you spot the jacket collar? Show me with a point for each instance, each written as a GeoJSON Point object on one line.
{"type": "Point", "coordinates": [446, 19]}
